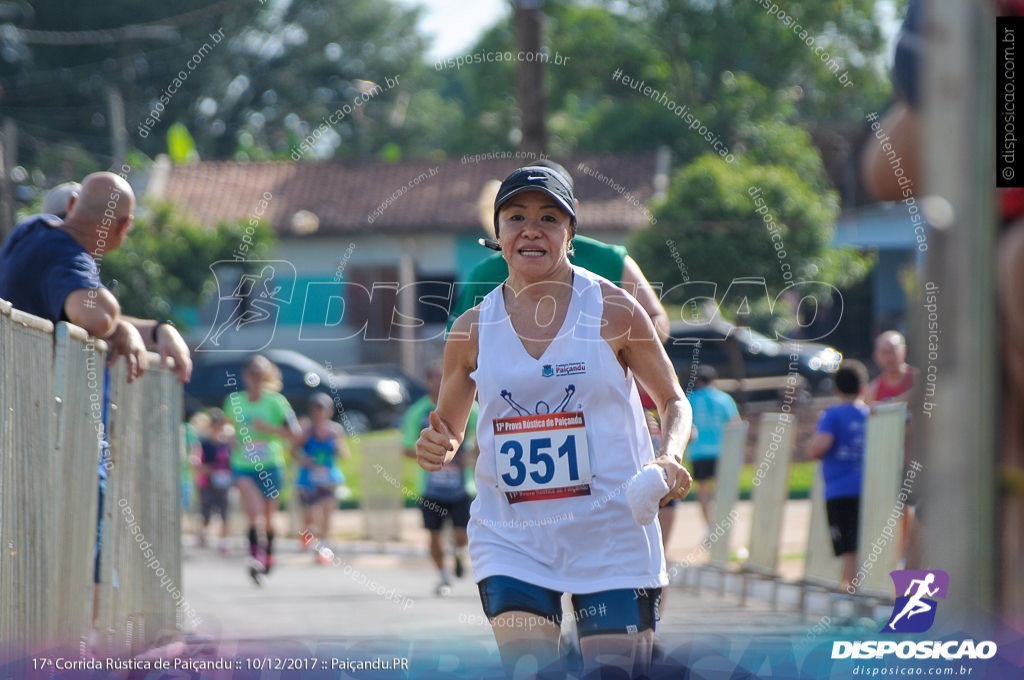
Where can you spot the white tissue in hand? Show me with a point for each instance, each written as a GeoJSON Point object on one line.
{"type": "Point", "coordinates": [645, 492]}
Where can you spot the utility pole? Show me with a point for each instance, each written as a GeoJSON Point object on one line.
{"type": "Point", "coordinates": [959, 172]}
{"type": "Point", "coordinates": [118, 133]}
{"type": "Point", "coordinates": [530, 77]}
{"type": "Point", "coordinates": [8, 159]}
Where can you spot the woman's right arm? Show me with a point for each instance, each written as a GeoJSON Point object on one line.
{"type": "Point", "coordinates": [439, 442]}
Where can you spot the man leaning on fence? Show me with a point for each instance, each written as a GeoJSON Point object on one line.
{"type": "Point", "coordinates": [48, 268]}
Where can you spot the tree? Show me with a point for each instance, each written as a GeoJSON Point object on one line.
{"type": "Point", "coordinates": [295, 64]}
{"type": "Point", "coordinates": [259, 77]}
{"type": "Point", "coordinates": [725, 222]}
{"type": "Point", "coordinates": [61, 64]}
{"type": "Point", "coordinates": [728, 87]}
{"type": "Point", "coordinates": [728, 63]}
{"type": "Point", "coordinates": [805, 46]}
{"type": "Point", "coordinates": [156, 266]}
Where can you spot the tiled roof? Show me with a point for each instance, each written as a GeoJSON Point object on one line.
{"type": "Point", "coordinates": [344, 195]}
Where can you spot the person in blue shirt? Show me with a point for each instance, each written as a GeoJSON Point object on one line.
{"type": "Point", "coordinates": [49, 267]}
{"type": "Point", "coordinates": [712, 409]}
{"type": "Point", "coordinates": [838, 442]}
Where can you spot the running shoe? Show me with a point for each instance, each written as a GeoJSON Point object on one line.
{"type": "Point", "coordinates": [444, 588]}
{"type": "Point", "coordinates": [306, 539]}
{"type": "Point", "coordinates": [257, 570]}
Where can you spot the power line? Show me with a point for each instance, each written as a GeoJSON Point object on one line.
{"type": "Point", "coordinates": [100, 37]}
{"type": "Point", "coordinates": [163, 29]}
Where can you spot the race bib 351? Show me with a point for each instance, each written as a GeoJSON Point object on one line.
{"type": "Point", "coordinates": [542, 457]}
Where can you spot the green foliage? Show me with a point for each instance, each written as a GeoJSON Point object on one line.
{"type": "Point", "coordinates": [180, 146]}
{"type": "Point", "coordinates": [270, 76]}
{"type": "Point", "coordinates": [705, 40]}
{"type": "Point", "coordinates": [721, 234]}
{"type": "Point", "coordinates": [162, 268]}
{"type": "Point", "coordinates": [59, 92]}
{"type": "Point", "coordinates": [279, 68]}
{"type": "Point", "coordinates": [728, 63]}
{"type": "Point", "coordinates": [801, 479]}
{"type": "Point", "coordinates": [294, 64]}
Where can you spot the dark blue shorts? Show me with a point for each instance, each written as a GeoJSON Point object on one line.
{"type": "Point", "coordinates": [843, 523]}
{"type": "Point", "coordinates": [267, 480]}
{"type": "Point", "coordinates": [311, 495]}
{"type": "Point", "coordinates": [704, 468]}
{"type": "Point", "coordinates": [626, 610]}
{"type": "Point", "coordinates": [436, 512]}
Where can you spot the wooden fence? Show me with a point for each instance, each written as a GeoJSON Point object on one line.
{"type": "Point", "coordinates": [51, 424]}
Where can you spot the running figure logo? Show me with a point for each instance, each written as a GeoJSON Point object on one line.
{"type": "Point", "coordinates": [253, 299]}
{"type": "Point", "coordinates": [914, 611]}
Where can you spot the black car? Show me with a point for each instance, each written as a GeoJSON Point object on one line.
{"type": "Point", "coordinates": [362, 402]}
{"type": "Point", "coordinates": [736, 353]}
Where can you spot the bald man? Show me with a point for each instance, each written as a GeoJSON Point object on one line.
{"type": "Point", "coordinates": [897, 379]}
{"type": "Point", "coordinates": [896, 383]}
{"type": "Point", "coordinates": [50, 268]}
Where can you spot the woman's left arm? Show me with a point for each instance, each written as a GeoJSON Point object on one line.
{"type": "Point", "coordinates": [631, 334]}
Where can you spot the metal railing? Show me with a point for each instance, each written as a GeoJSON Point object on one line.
{"type": "Point", "coordinates": [51, 424]}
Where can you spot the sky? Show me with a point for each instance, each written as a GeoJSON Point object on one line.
{"type": "Point", "coordinates": [456, 24]}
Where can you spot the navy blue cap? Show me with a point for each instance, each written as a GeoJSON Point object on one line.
{"type": "Point", "coordinates": [536, 178]}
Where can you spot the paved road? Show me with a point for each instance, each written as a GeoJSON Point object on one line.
{"type": "Point", "coordinates": [376, 604]}
{"type": "Point", "coordinates": [387, 589]}
{"type": "Point", "coordinates": [378, 598]}
{"type": "Point", "coordinates": [366, 606]}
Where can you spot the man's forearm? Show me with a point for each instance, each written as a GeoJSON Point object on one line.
{"type": "Point", "coordinates": [145, 328]}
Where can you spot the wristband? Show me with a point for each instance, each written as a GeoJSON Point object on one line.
{"type": "Point", "coordinates": [156, 327]}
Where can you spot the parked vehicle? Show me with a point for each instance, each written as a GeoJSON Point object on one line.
{"type": "Point", "coordinates": [413, 386]}
{"type": "Point", "coordinates": [362, 402]}
{"type": "Point", "coordinates": [765, 363]}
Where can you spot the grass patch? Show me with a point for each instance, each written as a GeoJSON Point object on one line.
{"type": "Point", "coordinates": [352, 467]}
{"type": "Point", "coordinates": [801, 476]}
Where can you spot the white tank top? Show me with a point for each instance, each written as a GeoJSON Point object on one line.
{"type": "Point", "coordinates": [536, 529]}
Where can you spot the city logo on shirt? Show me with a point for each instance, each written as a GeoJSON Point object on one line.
{"type": "Point", "coordinates": [559, 370]}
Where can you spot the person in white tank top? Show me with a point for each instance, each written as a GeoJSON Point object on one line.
{"type": "Point", "coordinates": [552, 354]}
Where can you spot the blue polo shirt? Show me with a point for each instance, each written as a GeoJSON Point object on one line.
{"type": "Point", "coordinates": [41, 264]}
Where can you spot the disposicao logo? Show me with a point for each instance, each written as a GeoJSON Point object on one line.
{"type": "Point", "coordinates": [914, 612]}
